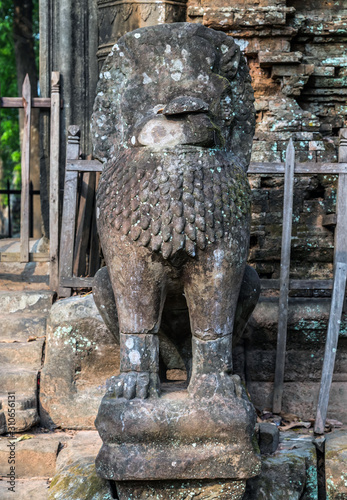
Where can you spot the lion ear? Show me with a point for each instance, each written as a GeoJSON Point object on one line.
{"type": "Point", "coordinates": [230, 60]}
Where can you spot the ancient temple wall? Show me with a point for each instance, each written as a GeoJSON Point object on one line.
{"type": "Point", "coordinates": [297, 55]}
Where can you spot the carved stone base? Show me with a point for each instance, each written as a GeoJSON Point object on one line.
{"type": "Point", "coordinates": [177, 437]}
{"type": "Point", "coordinates": [181, 490]}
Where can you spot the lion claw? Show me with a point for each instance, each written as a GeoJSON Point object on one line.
{"type": "Point", "coordinates": [133, 385]}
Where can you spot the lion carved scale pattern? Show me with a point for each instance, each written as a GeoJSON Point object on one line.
{"type": "Point", "coordinates": [175, 211]}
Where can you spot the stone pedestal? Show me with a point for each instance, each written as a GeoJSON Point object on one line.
{"type": "Point", "coordinates": [177, 437]}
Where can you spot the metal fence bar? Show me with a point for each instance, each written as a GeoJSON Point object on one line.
{"type": "Point", "coordinates": [67, 241]}
{"type": "Point", "coordinates": [25, 166]}
{"type": "Point", "coordinates": [339, 291]}
{"type": "Point", "coordinates": [54, 183]}
{"type": "Point", "coordinates": [284, 277]}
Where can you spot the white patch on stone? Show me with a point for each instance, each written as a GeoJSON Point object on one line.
{"type": "Point", "coordinates": [219, 257]}
{"type": "Point", "coordinates": [173, 464]}
{"type": "Point", "coordinates": [101, 75]}
{"type": "Point", "coordinates": [146, 79]}
{"type": "Point", "coordinates": [104, 137]}
{"type": "Point", "coordinates": [100, 94]}
{"type": "Point", "coordinates": [168, 49]}
{"type": "Point", "coordinates": [116, 46]}
{"type": "Point", "coordinates": [121, 54]}
{"type": "Point", "coordinates": [133, 140]}
{"type": "Point", "coordinates": [177, 65]}
{"type": "Point", "coordinates": [203, 78]}
{"type": "Point", "coordinates": [137, 35]}
{"type": "Point", "coordinates": [98, 214]}
{"type": "Point", "coordinates": [241, 43]}
{"type": "Point", "coordinates": [134, 357]}
{"type": "Point", "coordinates": [176, 76]}
{"type": "Point", "coordinates": [227, 99]}
{"type": "Point", "coordinates": [224, 48]}
{"type": "Point", "coordinates": [107, 75]}
{"type": "Point", "coordinates": [129, 343]}
{"type": "Point", "coordinates": [184, 52]}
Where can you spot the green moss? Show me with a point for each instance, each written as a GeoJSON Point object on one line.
{"type": "Point", "coordinates": [79, 482]}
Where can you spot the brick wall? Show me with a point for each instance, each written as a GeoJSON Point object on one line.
{"type": "Point", "coordinates": [296, 51]}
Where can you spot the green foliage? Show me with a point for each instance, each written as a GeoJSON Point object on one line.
{"type": "Point", "coordinates": [9, 120]}
{"type": "Point", "coordinates": [9, 128]}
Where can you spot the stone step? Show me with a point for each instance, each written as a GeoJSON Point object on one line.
{"type": "Point", "coordinates": [21, 327]}
{"type": "Point", "coordinates": [25, 489]}
{"type": "Point", "coordinates": [23, 354]}
{"type": "Point", "coordinates": [35, 457]}
{"type": "Point", "coordinates": [22, 401]}
{"type": "Point", "coordinates": [18, 380]}
{"type": "Point", "coordinates": [75, 472]}
{"type": "Point", "coordinates": [24, 301]}
{"type": "Point", "coordinates": [28, 276]}
{"type": "Point", "coordinates": [26, 413]}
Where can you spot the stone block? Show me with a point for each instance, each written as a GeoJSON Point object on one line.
{"type": "Point", "coordinates": [327, 156]}
{"type": "Point", "coordinates": [26, 355]}
{"type": "Point", "coordinates": [336, 465]}
{"type": "Point", "coordinates": [26, 489]}
{"type": "Point", "coordinates": [255, 17]}
{"type": "Point", "coordinates": [26, 411]}
{"type": "Point", "coordinates": [267, 59]}
{"type": "Point", "coordinates": [17, 276]}
{"type": "Point", "coordinates": [261, 105]}
{"type": "Point", "coordinates": [144, 439]}
{"type": "Point", "coordinates": [78, 481]}
{"type": "Point", "coordinates": [81, 353]}
{"type": "Point", "coordinates": [310, 124]}
{"type": "Point", "coordinates": [75, 476]}
{"type": "Point", "coordinates": [289, 473]}
{"type": "Point", "coordinates": [292, 70]}
{"type": "Point", "coordinates": [268, 438]}
{"type": "Point", "coordinates": [254, 45]}
{"type": "Point", "coordinates": [18, 380]}
{"type": "Point", "coordinates": [266, 156]}
{"type": "Point", "coordinates": [82, 447]}
{"type": "Point", "coordinates": [316, 146]}
{"type": "Point", "coordinates": [301, 398]}
{"type": "Point", "coordinates": [303, 136]}
{"type": "Point", "coordinates": [35, 457]}
{"type": "Point", "coordinates": [181, 490]}
{"type": "Point", "coordinates": [301, 365]}
{"type": "Point", "coordinates": [20, 328]}
{"type": "Point", "coordinates": [325, 92]}
{"type": "Point", "coordinates": [307, 323]}
{"type": "Point", "coordinates": [326, 82]}
{"type": "Point", "coordinates": [17, 302]}
{"type": "Point", "coordinates": [335, 61]}
{"type": "Point", "coordinates": [324, 71]}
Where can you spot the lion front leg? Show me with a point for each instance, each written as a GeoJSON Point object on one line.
{"type": "Point", "coordinates": [212, 286]}
{"type": "Point", "coordinates": [139, 286]}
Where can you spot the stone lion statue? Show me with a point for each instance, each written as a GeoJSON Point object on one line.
{"type": "Point", "coordinates": [173, 123]}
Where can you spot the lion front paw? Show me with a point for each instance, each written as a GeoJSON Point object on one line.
{"type": "Point", "coordinates": [132, 385]}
